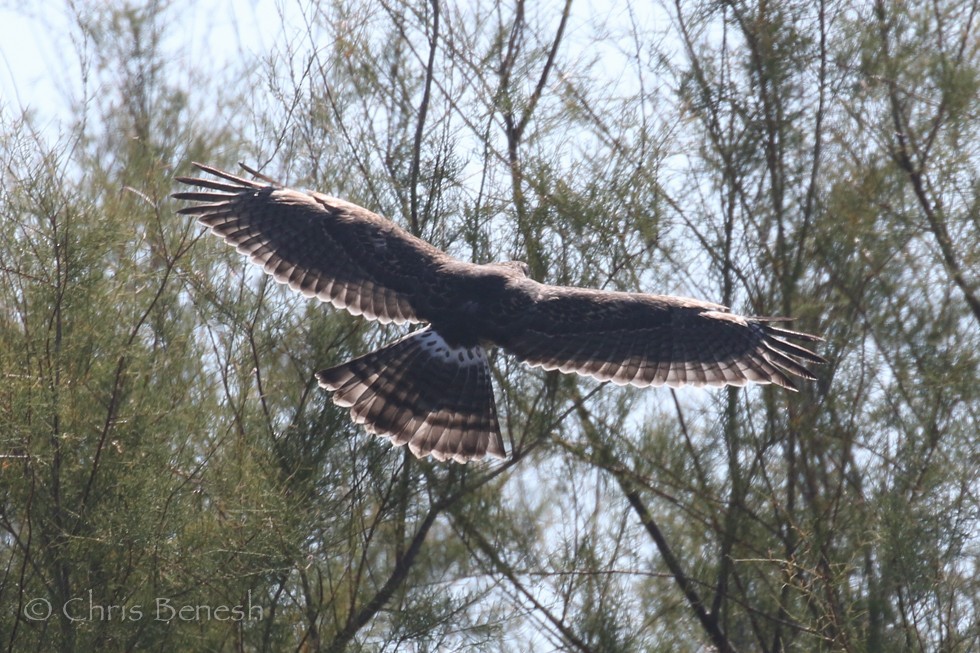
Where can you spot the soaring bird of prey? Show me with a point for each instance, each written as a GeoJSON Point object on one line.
{"type": "Point", "coordinates": [432, 388]}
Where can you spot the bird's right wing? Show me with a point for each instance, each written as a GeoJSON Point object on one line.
{"type": "Point", "coordinates": [320, 246]}
{"type": "Point", "coordinates": [642, 340]}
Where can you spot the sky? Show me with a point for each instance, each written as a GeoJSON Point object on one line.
{"type": "Point", "coordinates": [39, 68]}
{"type": "Point", "coordinates": [39, 41]}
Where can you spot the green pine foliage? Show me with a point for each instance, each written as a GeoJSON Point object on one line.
{"type": "Point", "coordinates": [171, 477]}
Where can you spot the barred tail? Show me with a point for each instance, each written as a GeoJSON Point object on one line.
{"type": "Point", "coordinates": [424, 392]}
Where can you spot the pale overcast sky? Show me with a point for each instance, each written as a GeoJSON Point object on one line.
{"type": "Point", "coordinates": [39, 67]}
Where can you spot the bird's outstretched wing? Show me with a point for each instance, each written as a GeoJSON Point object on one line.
{"type": "Point", "coordinates": [643, 340]}
{"type": "Point", "coordinates": [318, 245]}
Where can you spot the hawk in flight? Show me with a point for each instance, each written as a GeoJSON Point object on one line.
{"type": "Point", "coordinates": [432, 388]}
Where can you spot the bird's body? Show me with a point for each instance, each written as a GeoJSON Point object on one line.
{"type": "Point", "coordinates": [432, 389]}
{"type": "Point", "coordinates": [468, 297]}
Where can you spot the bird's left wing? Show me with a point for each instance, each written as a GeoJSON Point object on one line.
{"type": "Point", "coordinates": [320, 246]}
{"type": "Point", "coordinates": [642, 340]}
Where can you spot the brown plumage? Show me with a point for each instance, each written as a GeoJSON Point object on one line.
{"type": "Point", "coordinates": [432, 389]}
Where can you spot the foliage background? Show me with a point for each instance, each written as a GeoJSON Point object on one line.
{"type": "Point", "coordinates": [161, 437]}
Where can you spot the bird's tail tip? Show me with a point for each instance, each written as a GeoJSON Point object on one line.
{"type": "Point", "coordinates": [423, 392]}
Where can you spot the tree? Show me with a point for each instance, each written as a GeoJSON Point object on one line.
{"type": "Point", "coordinates": [163, 437]}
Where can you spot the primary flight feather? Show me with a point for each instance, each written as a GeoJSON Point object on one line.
{"type": "Point", "coordinates": [432, 389]}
